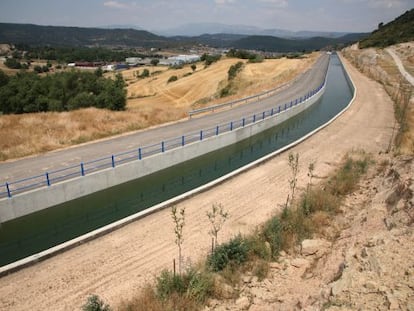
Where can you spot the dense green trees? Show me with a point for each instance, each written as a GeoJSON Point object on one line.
{"type": "Point", "coordinates": [13, 63]}
{"type": "Point", "coordinates": [28, 92]}
{"type": "Point", "coordinates": [208, 59]}
{"type": "Point", "coordinates": [74, 54]}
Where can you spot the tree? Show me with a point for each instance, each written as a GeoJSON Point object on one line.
{"type": "Point", "coordinates": [12, 63]}
{"type": "Point", "coordinates": [155, 61]}
{"type": "Point", "coordinates": [145, 73]}
{"type": "Point", "coordinates": [179, 222]}
{"type": "Point", "coordinates": [294, 167]}
{"type": "Point", "coordinates": [217, 217]}
{"type": "Point", "coordinates": [99, 72]}
{"type": "Point", "coordinates": [4, 78]}
{"type": "Point", "coordinates": [194, 67]}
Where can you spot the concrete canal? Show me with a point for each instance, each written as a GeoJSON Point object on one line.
{"type": "Point", "coordinates": [31, 234]}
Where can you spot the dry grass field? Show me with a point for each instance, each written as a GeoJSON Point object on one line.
{"type": "Point", "coordinates": [151, 101]}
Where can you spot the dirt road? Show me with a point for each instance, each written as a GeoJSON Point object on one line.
{"type": "Point", "coordinates": [117, 265]}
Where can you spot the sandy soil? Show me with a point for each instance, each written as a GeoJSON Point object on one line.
{"type": "Point", "coordinates": [117, 265]}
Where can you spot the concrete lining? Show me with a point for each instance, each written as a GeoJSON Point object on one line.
{"type": "Point", "coordinates": [118, 224]}
{"type": "Point", "coordinates": [42, 198]}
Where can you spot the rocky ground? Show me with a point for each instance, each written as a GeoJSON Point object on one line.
{"type": "Point", "coordinates": [364, 261]}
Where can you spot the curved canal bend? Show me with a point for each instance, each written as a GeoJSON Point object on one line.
{"type": "Point", "coordinates": [31, 234]}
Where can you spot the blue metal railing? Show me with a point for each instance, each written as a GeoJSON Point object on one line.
{"type": "Point", "coordinates": [84, 168]}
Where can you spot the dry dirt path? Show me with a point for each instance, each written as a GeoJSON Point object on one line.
{"type": "Point", "coordinates": [400, 66]}
{"type": "Point", "coordinates": [115, 266]}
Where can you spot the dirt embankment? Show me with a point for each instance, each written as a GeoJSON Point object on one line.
{"type": "Point", "coordinates": [380, 66]}
{"type": "Point", "coordinates": [117, 265]}
{"type": "Point", "coordinates": [366, 263]}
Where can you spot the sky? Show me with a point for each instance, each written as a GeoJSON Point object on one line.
{"type": "Point", "coordinates": [294, 15]}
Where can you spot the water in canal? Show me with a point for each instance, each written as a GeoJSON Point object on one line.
{"type": "Point", "coordinates": [31, 234]}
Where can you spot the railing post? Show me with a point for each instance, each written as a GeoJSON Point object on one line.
{"type": "Point", "coordinates": [217, 130]}
{"type": "Point", "coordinates": [139, 154]}
{"type": "Point", "coordinates": [82, 169]}
{"type": "Point", "coordinates": [254, 118]}
{"type": "Point", "coordinates": [113, 161]}
{"type": "Point", "coordinates": [182, 140]}
{"type": "Point", "coordinates": [264, 113]}
{"type": "Point", "coordinates": [271, 113]}
{"type": "Point", "coordinates": [162, 146]}
{"type": "Point", "coordinates": [244, 121]}
{"type": "Point", "coordinates": [285, 106]}
{"type": "Point", "coordinates": [278, 110]}
{"type": "Point", "coordinates": [8, 190]}
{"type": "Point", "coordinates": [201, 135]}
{"type": "Point", "coordinates": [231, 125]}
{"type": "Point", "coordinates": [47, 179]}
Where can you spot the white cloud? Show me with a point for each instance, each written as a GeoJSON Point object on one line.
{"type": "Point", "coordinates": [223, 2]}
{"type": "Point", "coordinates": [115, 5]}
{"type": "Point", "coordinates": [276, 3]}
{"type": "Point", "coordinates": [385, 4]}
{"type": "Point", "coordinates": [379, 4]}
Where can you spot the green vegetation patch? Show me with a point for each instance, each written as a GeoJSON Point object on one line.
{"type": "Point", "coordinates": [399, 30]}
{"type": "Point", "coordinates": [28, 92]}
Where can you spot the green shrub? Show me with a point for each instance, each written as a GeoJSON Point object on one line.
{"type": "Point", "coordinates": [226, 91]}
{"type": "Point", "coordinates": [199, 285]}
{"type": "Point", "coordinates": [193, 284]}
{"type": "Point", "coordinates": [172, 79]}
{"type": "Point", "coordinates": [234, 70]}
{"type": "Point", "coordinates": [145, 74]}
{"type": "Point", "coordinates": [235, 251]}
{"type": "Point", "coordinates": [319, 200]}
{"type": "Point", "coordinates": [168, 283]}
{"type": "Point", "coordinates": [272, 230]}
{"type": "Point", "coordinates": [209, 59]}
{"type": "Point", "coordinates": [346, 179]}
{"type": "Point", "coordinates": [257, 246]}
{"type": "Point", "coordinates": [94, 303]}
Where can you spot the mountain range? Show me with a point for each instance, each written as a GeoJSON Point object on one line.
{"type": "Point", "coordinates": [198, 29]}
{"type": "Point", "coordinates": [37, 35]}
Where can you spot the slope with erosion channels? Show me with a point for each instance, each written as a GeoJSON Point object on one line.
{"type": "Point", "coordinates": [152, 101]}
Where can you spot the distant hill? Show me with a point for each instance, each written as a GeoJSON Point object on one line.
{"type": "Point", "coordinates": [274, 44]}
{"type": "Point", "coordinates": [58, 36]}
{"type": "Point", "coordinates": [75, 36]}
{"type": "Point", "coordinates": [399, 30]}
{"type": "Point", "coordinates": [198, 29]}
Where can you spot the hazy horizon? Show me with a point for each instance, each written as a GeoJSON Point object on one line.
{"type": "Point", "coordinates": [158, 15]}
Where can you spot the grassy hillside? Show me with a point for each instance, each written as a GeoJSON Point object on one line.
{"type": "Point", "coordinates": [399, 30]}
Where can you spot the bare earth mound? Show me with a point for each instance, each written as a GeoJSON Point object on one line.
{"type": "Point", "coordinates": [117, 265]}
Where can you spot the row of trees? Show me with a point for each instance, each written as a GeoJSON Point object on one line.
{"type": "Point", "coordinates": [27, 92]}
{"type": "Point", "coordinates": [72, 54]}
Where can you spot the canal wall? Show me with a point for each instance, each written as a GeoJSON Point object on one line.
{"type": "Point", "coordinates": [42, 198]}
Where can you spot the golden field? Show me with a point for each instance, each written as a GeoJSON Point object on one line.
{"type": "Point", "coordinates": [151, 101]}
